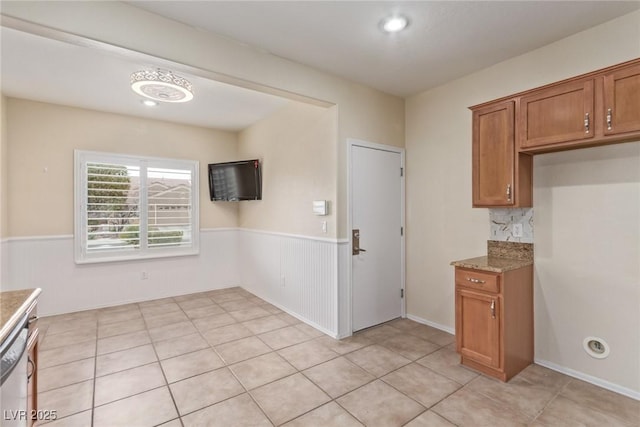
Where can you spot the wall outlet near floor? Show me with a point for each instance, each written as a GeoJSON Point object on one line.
{"type": "Point", "coordinates": [282, 281]}
{"type": "Point", "coordinates": [516, 229]}
{"type": "Point", "coordinates": [144, 275]}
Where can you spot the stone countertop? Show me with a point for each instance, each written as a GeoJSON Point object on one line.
{"type": "Point", "coordinates": [13, 305]}
{"type": "Point", "coordinates": [493, 264]}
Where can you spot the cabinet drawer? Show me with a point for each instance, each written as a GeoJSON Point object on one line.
{"type": "Point", "coordinates": [478, 280]}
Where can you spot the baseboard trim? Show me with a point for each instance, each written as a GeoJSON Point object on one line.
{"type": "Point", "coordinates": [633, 394]}
{"type": "Point", "coordinates": [444, 328]}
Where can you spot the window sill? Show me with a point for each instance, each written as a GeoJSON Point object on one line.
{"type": "Point", "coordinates": [146, 257]}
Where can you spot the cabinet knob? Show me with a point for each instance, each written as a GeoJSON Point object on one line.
{"type": "Point", "coordinates": [474, 280]}
{"type": "Point", "coordinates": [609, 117]}
{"type": "Point", "coordinates": [509, 192]}
{"type": "Point", "coordinates": [586, 123]}
{"type": "Point", "coordinates": [493, 309]}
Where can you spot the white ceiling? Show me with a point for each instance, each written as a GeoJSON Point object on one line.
{"type": "Point", "coordinates": [445, 40]}
{"type": "Point", "coordinates": [47, 70]}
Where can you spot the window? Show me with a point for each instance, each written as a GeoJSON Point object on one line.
{"type": "Point", "coordinates": [129, 207]}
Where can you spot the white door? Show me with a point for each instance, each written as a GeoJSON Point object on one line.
{"type": "Point", "coordinates": [376, 209]}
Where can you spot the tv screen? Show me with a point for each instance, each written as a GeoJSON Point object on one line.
{"type": "Point", "coordinates": [235, 181]}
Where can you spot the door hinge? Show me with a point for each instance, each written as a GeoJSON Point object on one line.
{"type": "Point", "coordinates": [402, 231]}
{"type": "Point", "coordinates": [401, 293]}
{"type": "Point", "coordinates": [401, 171]}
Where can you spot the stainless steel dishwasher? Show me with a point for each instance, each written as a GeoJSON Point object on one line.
{"type": "Point", "coordinates": [13, 374]}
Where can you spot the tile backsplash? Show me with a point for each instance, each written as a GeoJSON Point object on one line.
{"type": "Point", "coordinates": [502, 221]}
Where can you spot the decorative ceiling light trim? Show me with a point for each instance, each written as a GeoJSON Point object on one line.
{"type": "Point", "coordinates": [394, 24]}
{"type": "Point", "coordinates": [161, 85]}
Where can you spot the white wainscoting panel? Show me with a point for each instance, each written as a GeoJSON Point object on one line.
{"type": "Point", "coordinates": [345, 328]}
{"type": "Point", "coordinates": [297, 273]}
{"type": "Point", "coordinates": [48, 263]}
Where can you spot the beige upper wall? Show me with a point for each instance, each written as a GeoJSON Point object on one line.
{"type": "Point", "coordinates": [42, 138]}
{"type": "Point", "coordinates": [297, 148]}
{"type": "Point", "coordinates": [363, 113]}
{"type": "Point", "coordinates": [442, 226]}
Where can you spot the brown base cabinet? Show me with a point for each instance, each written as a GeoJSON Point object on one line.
{"type": "Point", "coordinates": [494, 320]}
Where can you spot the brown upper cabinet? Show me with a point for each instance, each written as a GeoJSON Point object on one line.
{"type": "Point", "coordinates": [558, 114]}
{"type": "Point", "coordinates": [597, 108]}
{"type": "Point", "coordinates": [621, 106]}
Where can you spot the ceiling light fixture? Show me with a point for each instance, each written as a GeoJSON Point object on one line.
{"type": "Point", "coordinates": [394, 24]}
{"type": "Point", "coordinates": [149, 103]}
{"type": "Point", "coordinates": [161, 85]}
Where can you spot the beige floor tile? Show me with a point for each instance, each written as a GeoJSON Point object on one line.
{"type": "Point", "coordinates": [286, 318]}
{"type": "Point", "coordinates": [589, 395]}
{"type": "Point", "coordinates": [192, 303]}
{"type": "Point", "coordinates": [329, 415]}
{"type": "Point", "coordinates": [146, 409]}
{"type": "Point", "coordinates": [307, 354]}
{"type": "Point", "coordinates": [338, 376]}
{"type": "Point", "coordinates": [206, 389]}
{"type": "Point", "coordinates": [543, 377]}
{"type": "Point", "coordinates": [562, 412]}
{"type": "Point", "coordinates": [421, 384]}
{"type": "Point", "coordinates": [310, 330]}
{"type": "Point", "coordinates": [226, 334]}
{"type": "Point", "coordinates": [64, 339]}
{"type": "Point", "coordinates": [154, 302]}
{"type": "Point", "coordinates": [72, 325]}
{"type": "Point", "coordinates": [377, 360]}
{"type": "Point", "coordinates": [123, 342]}
{"type": "Point", "coordinates": [63, 375]}
{"type": "Point", "coordinates": [261, 370]}
{"type": "Point", "coordinates": [403, 324]}
{"type": "Point", "coordinates": [235, 305]}
{"type": "Point", "coordinates": [127, 383]}
{"type": "Point", "coordinates": [345, 345]}
{"type": "Point", "coordinates": [239, 411]}
{"type": "Point", "coordinates": [212, 322]}
{"type": "Point", "coordinates": [284, 337]}
{"type": "Point", "coordinates": [188, 297]}
{"type": "Point", "coordinates": [518, 394]}
{"type": "Point", "coordinates": [219, 298]}
{"type": "Point", "coordinates": [423, 331]}
{"type": "Point", "coordinates": [249, 314]}
{"type": "Point", "coordinates": [442, 338]}
{"type": "Point", "coordinates": [119, 328]}
{"type": "Point", "coordinates": [265, 324]}
{"type": "Point", "coordinates": [468, 408]}
{"type": "Point", "coordinates": [126, 359]}
{"type": "Point", "coordinates": [409, 346]}
{"type": "Point", "coordinates": [191, 364]}
{"type": "Point", "coordinates": [173, 330]}
{"type": "Point", "coordinates": [381, 405]}
{"type": "Point", "coordinates": [70, 353]}
{"type": "Point", "coordinates": [159, 309]}
{"type": "Point", "coordinates": [165, 319]}
{"type": "Point", "coordinates": [181, 345]}
{"type": "Point", "coordinates": [68, 400]}
{"type": "Point", "coordinates": [429, 419]}
{"type": "Point", "coordinates": [288, 398]}
{"type": "Point", "coordinates": [82, 419]}
{"type": "Point", "coordinates": [270, 308]}
{"type": "Point", "coordinates": [203, 311]}
{"type": "Point", "coordinates": [447, 362]}
{"type": "Point", "coordinates": [243, 349]}
{"type": "Point", "coordinates": [119, 316]}
{"type": "Point", "coordinates": [378, 334]}
{"type": "Point", "coordinates": [172, 423]}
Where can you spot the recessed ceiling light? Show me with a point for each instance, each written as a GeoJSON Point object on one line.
{"type": "Point", "coordinates": [161, 85]}
{"type": "Point", "coordinates": [149, 103]}
{"type": "Point", "coordinates": [394, 24]}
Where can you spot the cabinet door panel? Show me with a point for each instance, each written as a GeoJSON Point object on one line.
{"type": "Point", "coordinates": [559, 114]}
{"type": "Point", "coordinates": [493, 155]}
{"type": "Point", "coordinates": [622, 101]}
{"type": "Point", "coordinates": [478, 327]}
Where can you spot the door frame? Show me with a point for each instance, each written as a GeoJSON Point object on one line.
{"type": "Point", "coordinates": [352, 142]}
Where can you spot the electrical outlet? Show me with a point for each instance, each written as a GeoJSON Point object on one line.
{"type": "Point", "coordinates": [144, 275]}
{"type": "Point", "coordinates": [516, 229]}
{"type": "Point", "coordinates": [324, 226]}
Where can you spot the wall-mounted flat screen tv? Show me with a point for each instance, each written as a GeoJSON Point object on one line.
{"type": "Point", "coordinates": [235, 181]}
